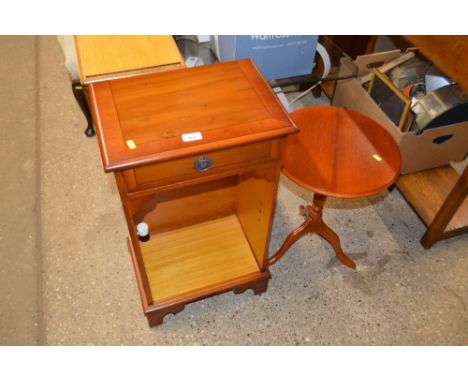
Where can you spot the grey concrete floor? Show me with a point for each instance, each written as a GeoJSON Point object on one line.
{"type": "Point", "coordinates": [19, 208]}
{"type": "Point", "coordinates": [67, 278]}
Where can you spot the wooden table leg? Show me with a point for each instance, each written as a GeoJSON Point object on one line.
{"type": "Point", "coordinates": [314, 224]}
{"type": "Point", "coordinates": [80, 97]}
{"type": "Point", "coordinates": [449, 207]}
{"type": "Point", "coordinates": [290, 240]}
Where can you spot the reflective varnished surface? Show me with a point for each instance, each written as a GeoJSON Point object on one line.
{"type": "Point", "coordinates": [340, 153]}
{"type": "Point", "coordinates": [336, 153]}
{"type": "Point", "coordinates": [142, 120]}
{"type": "Point", "coordinates": [197, 156]}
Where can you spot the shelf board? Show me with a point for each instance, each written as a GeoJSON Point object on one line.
{"type": "Point", "coordinates": [426, 191]}
{"type": "Point", "coordinates": [192, 258]}
{"type": "Point", "coordinates": [447, 53]}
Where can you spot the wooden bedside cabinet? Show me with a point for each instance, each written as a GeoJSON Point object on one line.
{"type": "Point", "coordinates": [196, 155]}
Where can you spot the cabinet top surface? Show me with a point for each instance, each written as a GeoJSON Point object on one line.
{"type": "Point", "coordinates": [146, 119]}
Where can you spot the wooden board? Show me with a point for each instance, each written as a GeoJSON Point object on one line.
{"type": "Point", "coordinates": [185, 167]}
{"type": "Point", "coordinates": [177, 208]}
{"type": "Point", "coordinates": [226, 105]}
{"type": "Point", "coordinates": [340, 153]}
{"type": "Point", "coordinates": [256, 207]}
{"type": "Point", "coordinates": [448, 53]}
{"type": "Point", "coordinates": [197, 257]}
{"type": "Point", "coordinates": [426, 191]}
{"type": "Point", "coordinates": [104, 55]}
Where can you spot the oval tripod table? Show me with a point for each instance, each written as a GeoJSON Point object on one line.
{"type": "Point", "coordinates": [338, 153]}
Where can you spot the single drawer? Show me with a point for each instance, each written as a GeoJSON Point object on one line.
{"type": "Point", "coordinates": [201, 165]}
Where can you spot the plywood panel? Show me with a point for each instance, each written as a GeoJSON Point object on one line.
{"type": "Point", "coordinates": [98, 55]}
{"type": "Point", "coordinates": [255, 209]}
{"type": "Point", "coordinates": [195, 257]}
{"type": "Point", "coordinates": [185, 206]}
{"type": "Point", "coordinates": [426, 191]}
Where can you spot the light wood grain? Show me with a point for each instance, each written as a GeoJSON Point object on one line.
{"type": "Point", "coordinates": [255, 208]}
{"type": "Point", "coordinates": [169, 210]}
{"type": "Point", "coordinates": [103, 55]}
{"type": "Point", "coordinates": [197, 257]}
{"type": "Point", "coordinates": [427, 191]}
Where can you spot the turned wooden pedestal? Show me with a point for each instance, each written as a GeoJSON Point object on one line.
{"type": "Point", "coordinates": [314, 224]}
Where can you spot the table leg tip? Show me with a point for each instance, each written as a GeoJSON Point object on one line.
{"type": "Point", "coordinates": [348, 262]}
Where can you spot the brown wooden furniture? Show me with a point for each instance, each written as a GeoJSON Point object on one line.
{"type": "Point", "coordinates": [439, 198]}
{"type": "Point", "coordinates": [196, 155]}
{"type": "Point", "coordinates": [337, 153]}
{"type": "Point", "coordinates": [353, 46]}
{"type": "Point", "coordinates": [107, 57]}
{"type": "Point", "coordinates": [438, 195]}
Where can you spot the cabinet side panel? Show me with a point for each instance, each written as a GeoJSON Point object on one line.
{"type": "Point", "coordinates": [137, 255]}
{"type": "Point", "coordinates": [255, 208]}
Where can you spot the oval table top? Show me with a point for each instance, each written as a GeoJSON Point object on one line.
{"type": "Point", "coordinates": [340, 153]}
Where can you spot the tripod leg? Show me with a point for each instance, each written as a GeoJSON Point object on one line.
{"type": "Point", "coordinates": [329, 235]}
{"type": "Point", "coordinates": [290, 240]}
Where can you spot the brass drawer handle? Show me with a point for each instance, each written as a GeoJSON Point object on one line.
{"type": "Point", "coordinates": [203, 164]}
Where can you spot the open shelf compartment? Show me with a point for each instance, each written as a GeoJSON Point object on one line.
{"type": "Point", "coordinates": [205, 238]}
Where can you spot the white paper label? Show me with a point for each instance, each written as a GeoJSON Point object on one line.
{"type": "Point", "coordinates": [189, 137]}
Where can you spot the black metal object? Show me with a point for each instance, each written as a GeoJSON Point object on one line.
{"type": "Point", "coordinates": [80, 96]}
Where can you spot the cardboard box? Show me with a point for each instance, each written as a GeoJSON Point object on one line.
{"type": "Point", "coordinates": [433, 148]}
{"type": "Point", "coordinates": [277, 56]}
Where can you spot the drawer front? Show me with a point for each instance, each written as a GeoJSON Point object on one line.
{"type": "Point", "coordinates": [200, 165]}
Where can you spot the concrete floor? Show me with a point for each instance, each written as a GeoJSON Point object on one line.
{"type": "Point", "coordinates": [19, 208]}
{"type": "Point", "coordinates": [67, 278]}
